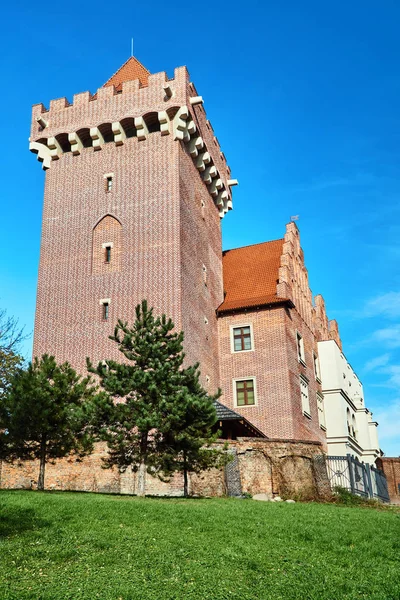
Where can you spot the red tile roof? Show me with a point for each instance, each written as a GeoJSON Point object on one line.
{"type": "Point", "coordinates": [251, 276]}
{"type": "Point", "coordinates": [130, 70]}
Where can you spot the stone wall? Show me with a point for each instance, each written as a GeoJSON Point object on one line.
{"type": "Point", "coordinates": [274, 467]}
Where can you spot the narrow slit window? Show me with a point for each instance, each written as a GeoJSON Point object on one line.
{"type": "Point", "coordinates": [107, 255]}
{"type": "Point", "coordinates": [300, 349]}
{"type": "Point", "coordinates": [205, 275]}
{"type": "Point", "coordinates": [106, 311]}
{"type": "Point", "coordinates": [109, 183]}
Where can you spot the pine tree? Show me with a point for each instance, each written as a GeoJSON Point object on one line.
{"type": "Point", "coordinates": [46, 413]}
{"type": "Point", "coordinates": [188, 437]}
{"type": "Point", "coordinates": [154, 398]}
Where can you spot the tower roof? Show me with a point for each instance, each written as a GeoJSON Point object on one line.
{"type": "Point", "coordinates": [130, 70]}
{"type": "Point", "coordinates": [251, 275]}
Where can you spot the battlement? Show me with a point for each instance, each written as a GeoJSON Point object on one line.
{"type": "Point", "coordinates": [131, 109]}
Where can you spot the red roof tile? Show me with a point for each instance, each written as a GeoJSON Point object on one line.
{"type": "Point", "coordinates": [251, 276]}
{"type": "Point", "coordinates": [130, 70]}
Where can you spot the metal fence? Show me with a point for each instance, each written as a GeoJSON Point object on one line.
{"type": "Point", "coordinates": [357, 477]}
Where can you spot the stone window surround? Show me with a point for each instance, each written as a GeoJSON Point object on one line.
{"type": "Point", "coordinates": [232, 340]}
{"type": "Point", "coordinates": [236, 379]}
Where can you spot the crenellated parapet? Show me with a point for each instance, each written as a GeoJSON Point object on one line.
{"type": "Point", "coordinates": [325, 329]}
{"type": "Point", "coordinates": [114, 114]}
{"type": "Point", "coordinates": [293, 275]}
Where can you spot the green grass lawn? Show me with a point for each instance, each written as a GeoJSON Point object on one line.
{"type": "Point", "coordinates": [73, 546]}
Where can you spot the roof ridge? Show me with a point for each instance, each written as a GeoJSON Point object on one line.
{"type": "Point", "coordinates": [122, 66]}
{"type": "Point", "coordinates": [257, 244]}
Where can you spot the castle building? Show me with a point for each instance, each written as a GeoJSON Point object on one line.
{"type": "Point", "coordinates": [136, 188]}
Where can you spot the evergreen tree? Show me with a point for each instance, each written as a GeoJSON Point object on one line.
{"type": "Point", "coordinates": [188, 437]}
{"type": "Point", "coordinates": [46, 412]}
{"type": "Point", "coordinates": [159, 396]}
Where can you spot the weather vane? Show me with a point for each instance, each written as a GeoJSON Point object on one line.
{"type": "Point", "coordinates": [131, 46]}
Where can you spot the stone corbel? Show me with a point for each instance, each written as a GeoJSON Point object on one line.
{"type": "Point", "coordinates": [164, 122]}
{"type": "Point", "coordinates": [180, 124]}
{"type": "Point", "coordinates": [119, 133]}
{"type": "Point", "coordinates": [209, 173]}
{"type": "Point", "coordinates": [76, 143]}
{"type": "Point", "coordinates": [141, 128]}
{"type": "Point", "coordinates": [42, 152]}
{"type": "Point", "coordinates": [97, 138]}
{"type": "Point", "coordinates": [215, 187]}
{"type": "Point", "coordinates": [195, 145]}
{"type": "Point", "coordinates": [55, 148]}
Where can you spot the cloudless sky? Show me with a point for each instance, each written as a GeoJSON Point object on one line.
{"type": "Point", "coordinates": [304, 99]}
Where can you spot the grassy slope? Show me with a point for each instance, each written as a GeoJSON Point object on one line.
{"type": "Point", "coordinates": [73, 546]}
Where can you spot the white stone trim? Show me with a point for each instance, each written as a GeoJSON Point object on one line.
{"type": "Point", "coordinates": [107, 245]}
{"type": "Point", "coordinates": [246, 378]}
{"type": "Point", "coordinates": [231, 336]}
{"type": "Point", "coordinates": [105, 301]}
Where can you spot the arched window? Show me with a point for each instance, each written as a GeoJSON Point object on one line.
{"type": "Point", "coordinates": [107, 246]}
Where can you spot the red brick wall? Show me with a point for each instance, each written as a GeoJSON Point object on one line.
{"type": "Point", "coordinates": [201, 292]}
{"type": "Point", "coordinates": [391, 468]}
{"type": "Point", "coordinates": [145, 199]}
{"type": "Point", "coordinates": [275, 365]}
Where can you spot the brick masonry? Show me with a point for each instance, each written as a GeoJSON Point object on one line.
{"type": "Point", "coordinates": [391, 468]}
{"type": "Point", "coordinates": [165, 233]}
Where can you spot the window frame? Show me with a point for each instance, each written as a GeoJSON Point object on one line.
{"type": "Point", "coordinates": [234, 385]}
{"type": "Point", "coordinates": [232, 338]}
{"type": "Point", "coordinates": [305, 404]}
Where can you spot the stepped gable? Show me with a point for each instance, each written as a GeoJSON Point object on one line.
{"type": "Point", "coordinates": [132, 69]}
{"type": "Point", "coordinates": [251, 275]}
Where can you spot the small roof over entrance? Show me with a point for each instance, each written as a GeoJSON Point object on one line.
{"type": "Point", "coordinates": [233, 425]}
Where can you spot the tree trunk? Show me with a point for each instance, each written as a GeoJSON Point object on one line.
{"type": "Point", "coordinates": [185, 479]}
{"type": "Point", "coordinates": [141, 484]}
{"type": "Point", "coordinates": [40, 484]}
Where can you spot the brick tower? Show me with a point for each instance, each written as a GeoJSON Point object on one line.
{"type": "Point", "coordinates": [136, 185]}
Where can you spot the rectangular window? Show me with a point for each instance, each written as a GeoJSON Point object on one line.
{"type": "Point", "coordinates": [106, 311]}
{"type": "Point", "coordinates": [245, 392]}
{"type": "Point", "coordinates": [321, 411]}
{"type": "Point", "coordinates": [317, 372]}
{"type": "Point", "coordinates": [107, 254]}
{"type": "Point", "coordinates": [300, 349]}
{"type": "Point", "coordinates": [241, 338]}
{"type": "Point", "coordinates": [305, 400]}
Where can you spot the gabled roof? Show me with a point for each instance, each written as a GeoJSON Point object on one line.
{"type": "Point", "coordinates": [251, 276]}
{"type": "Point", "coordinates": [227, 414]}
{"type": "Point", "coordinates": [130, 70]}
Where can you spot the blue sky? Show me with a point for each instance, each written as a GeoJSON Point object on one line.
{"type": "Point", "coordinates": [304, 99]}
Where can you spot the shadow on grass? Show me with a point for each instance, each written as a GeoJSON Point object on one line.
{"type": "Point", "coordinates": [16, 520]}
